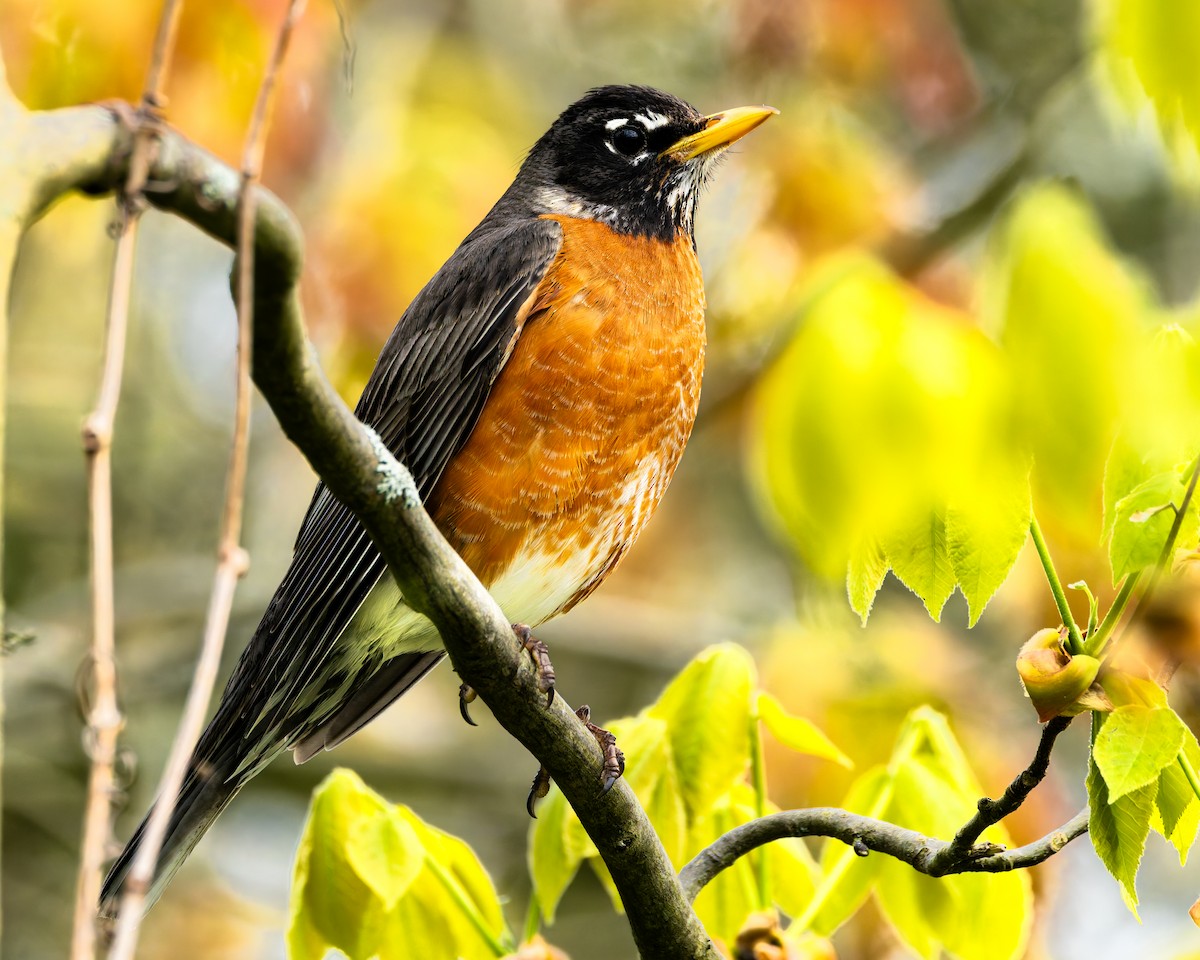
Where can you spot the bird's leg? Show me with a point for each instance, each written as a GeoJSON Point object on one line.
{"type": "Point", "coordinates": [614, 760]}
{"type": "Point", "coordinates": [466, 695]}
{"type": "Point", "coordinates": [610, 770]}
{"type": "Point", "coordinates": [541, 659]}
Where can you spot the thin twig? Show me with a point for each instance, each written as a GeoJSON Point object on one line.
{"type": "Point", "coordinates": [104, 715]}
{"type": "Point", "coordinates": [990, 812]}
{"type": "Point", "coordinates": [866, 834]}
{"type": "Point", "coordinates": [232, 558]}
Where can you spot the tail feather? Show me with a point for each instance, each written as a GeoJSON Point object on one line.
{"type": "Point", "coordinates": [204, 794]}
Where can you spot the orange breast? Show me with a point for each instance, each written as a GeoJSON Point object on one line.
{"type": "Point", "coordinates": [587, 421]}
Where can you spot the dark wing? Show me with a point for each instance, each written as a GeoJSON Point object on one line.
{"type": "Point", "coordinates": [423, 398]}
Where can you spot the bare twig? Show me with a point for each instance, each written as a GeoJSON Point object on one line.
{"type": "Point", "coordinates": [962, 848]}
{"type": "Point", "coordinates": [867, 834]}
{"type": "Point", "coordinates": [104, 715]}
{"type": "Point", "coordinates": [232, 558]}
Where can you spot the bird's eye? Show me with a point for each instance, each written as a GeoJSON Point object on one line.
{"type": "Point", "coordinates": [628, 141]}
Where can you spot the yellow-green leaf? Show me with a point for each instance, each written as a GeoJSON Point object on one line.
{"type": "Point", "coordinates": [1143, 518]}
{"type": "Point", "coordinates": [1118, 828]}
{"type": "Point", "coordinates": [1152, 49]}
{"type": "Point", "coordinates": [846, 878]}
{"type": "Point", "coordinates": [1068, 311]}
{"type": "Point", "coordinates": [985, 531]}
{"type": "Point", "coordinates": [919, 553]}
{"type": "Point", "coordinates": [1133, 746]}
{"type": "Point", "coordinates": [331, 904]}
{"type": "Point", "coordinates": [553, 858]}
{"type": "Point", "coordinates": [865, 572]}
{"type": "Point", "coordinates": [797, 733]}
{"type": "Point", "coordinates": [707, 712]}
{"type": "Point", "coordinates": [373, 880]}
{"type": "Point", "coordinates": [384, 851]}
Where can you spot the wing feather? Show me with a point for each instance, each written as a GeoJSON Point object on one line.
{"type": "Point", "coordinates": [423, 398]}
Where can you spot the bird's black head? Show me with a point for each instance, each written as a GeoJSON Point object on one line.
{"type": "Point", "coordinates": [632, 157]}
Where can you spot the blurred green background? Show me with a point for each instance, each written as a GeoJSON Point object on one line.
{"type": "Point", "coordinates": [907, 128]}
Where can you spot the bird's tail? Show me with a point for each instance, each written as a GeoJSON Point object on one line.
{"type": "Point", "coordinates": [204, 794]}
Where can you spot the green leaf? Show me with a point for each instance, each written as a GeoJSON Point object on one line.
{"type": "Point", "coordinates": [846, 878]}
{"type": "Point", "coordinates": [920, 557]}
{"type": "Point", "coordinates": [725, 903]}
{"type": "Point", "coordinates": [1118, 828]}
{"type": "Point", "coordinates": [331, 904]}
{"type": "Point", "coordinates": [985, 533]}
{"type": "Point", "coordinates": [912, 904]}
{"type": "Point", "coordinates": [884, 408]}
{"type": "Point", "coordinates": [385, 852]}
{"type": "Point", "coordinates": [706, 709]}
{"type": "Point", "coordinates": [1142, 520]}
{"type": "Point", "coordinates": [650, 770]}
{"type": "Point", "coordinates": [797, 733]}
{"type": "Point", "coordinates": [1151, 50]}
{"type": "Point", "coordinates": [1068, 311]}
{"type": "Point", "coordinates": [973, 917]}
{"type": "Point", "coordinates": [864, 576]}
{"type": "Point", "coordinates": [1134, 745]}
{"type": "Point", "coordinates": [373, 880]}
{"type": "Point", "coordinates": [554, 857]}
{"type": "Point", "coordinates": [1176, 807]}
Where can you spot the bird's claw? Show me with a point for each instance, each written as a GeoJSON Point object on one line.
{"type": "Point", "coordinates": [540, 654]}
{"type": "Point", "coordinates": [541, 787]}
{"type": "Point", "coordinates": [611, 770]}
{"type": "Point", "coordinates": [613, 767]}
{"type": "Point", "coordinates": [466, 695]}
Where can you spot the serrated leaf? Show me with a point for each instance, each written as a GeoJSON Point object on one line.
{"type": "Point", "coordinates": [797, 733]}
{"type": "Point", "coordinates": [864, 576]}
{"type": "Point", "coordinates": [707, 712]}
{"type": "Point", "coordinates": [1118, 829]}
{"type": "Point", "coordinates": [883, 406]}
{"type": "Point", "coordinates": [985, 533]}
{"type": "Point", "coordinates": [1134, 745]}
{"type": "Point", "coordinates": [919, 555]}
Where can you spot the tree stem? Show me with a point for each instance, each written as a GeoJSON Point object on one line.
{"type": "Point", "coordinates": [1074, 639]}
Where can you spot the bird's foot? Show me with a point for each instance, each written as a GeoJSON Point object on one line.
{"type": "Point", "coordinates": [466, 695]}
{"type": "Point", "coordinates": [611, 769]}
{"type": "Point", "coordinates": [541, 659]}
{"type": "Point", "coordinates": [613, 766]}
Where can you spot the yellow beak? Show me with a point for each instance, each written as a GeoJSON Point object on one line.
{"type": "Point", "coordinates": [720, 130]}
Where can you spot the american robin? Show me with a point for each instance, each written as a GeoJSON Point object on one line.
{"type": "Point", "coordinates": [540, 388]}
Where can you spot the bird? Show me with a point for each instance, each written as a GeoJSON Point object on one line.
{"type": "Point", "coordinates": [540, 389]}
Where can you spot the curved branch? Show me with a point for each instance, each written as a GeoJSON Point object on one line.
{"type": "Point", "coordinates": [93, 153]}
{"type": "Point", "coordinates": [991, 812]}
{"type": "Point", "coordinates": [866, 834]}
